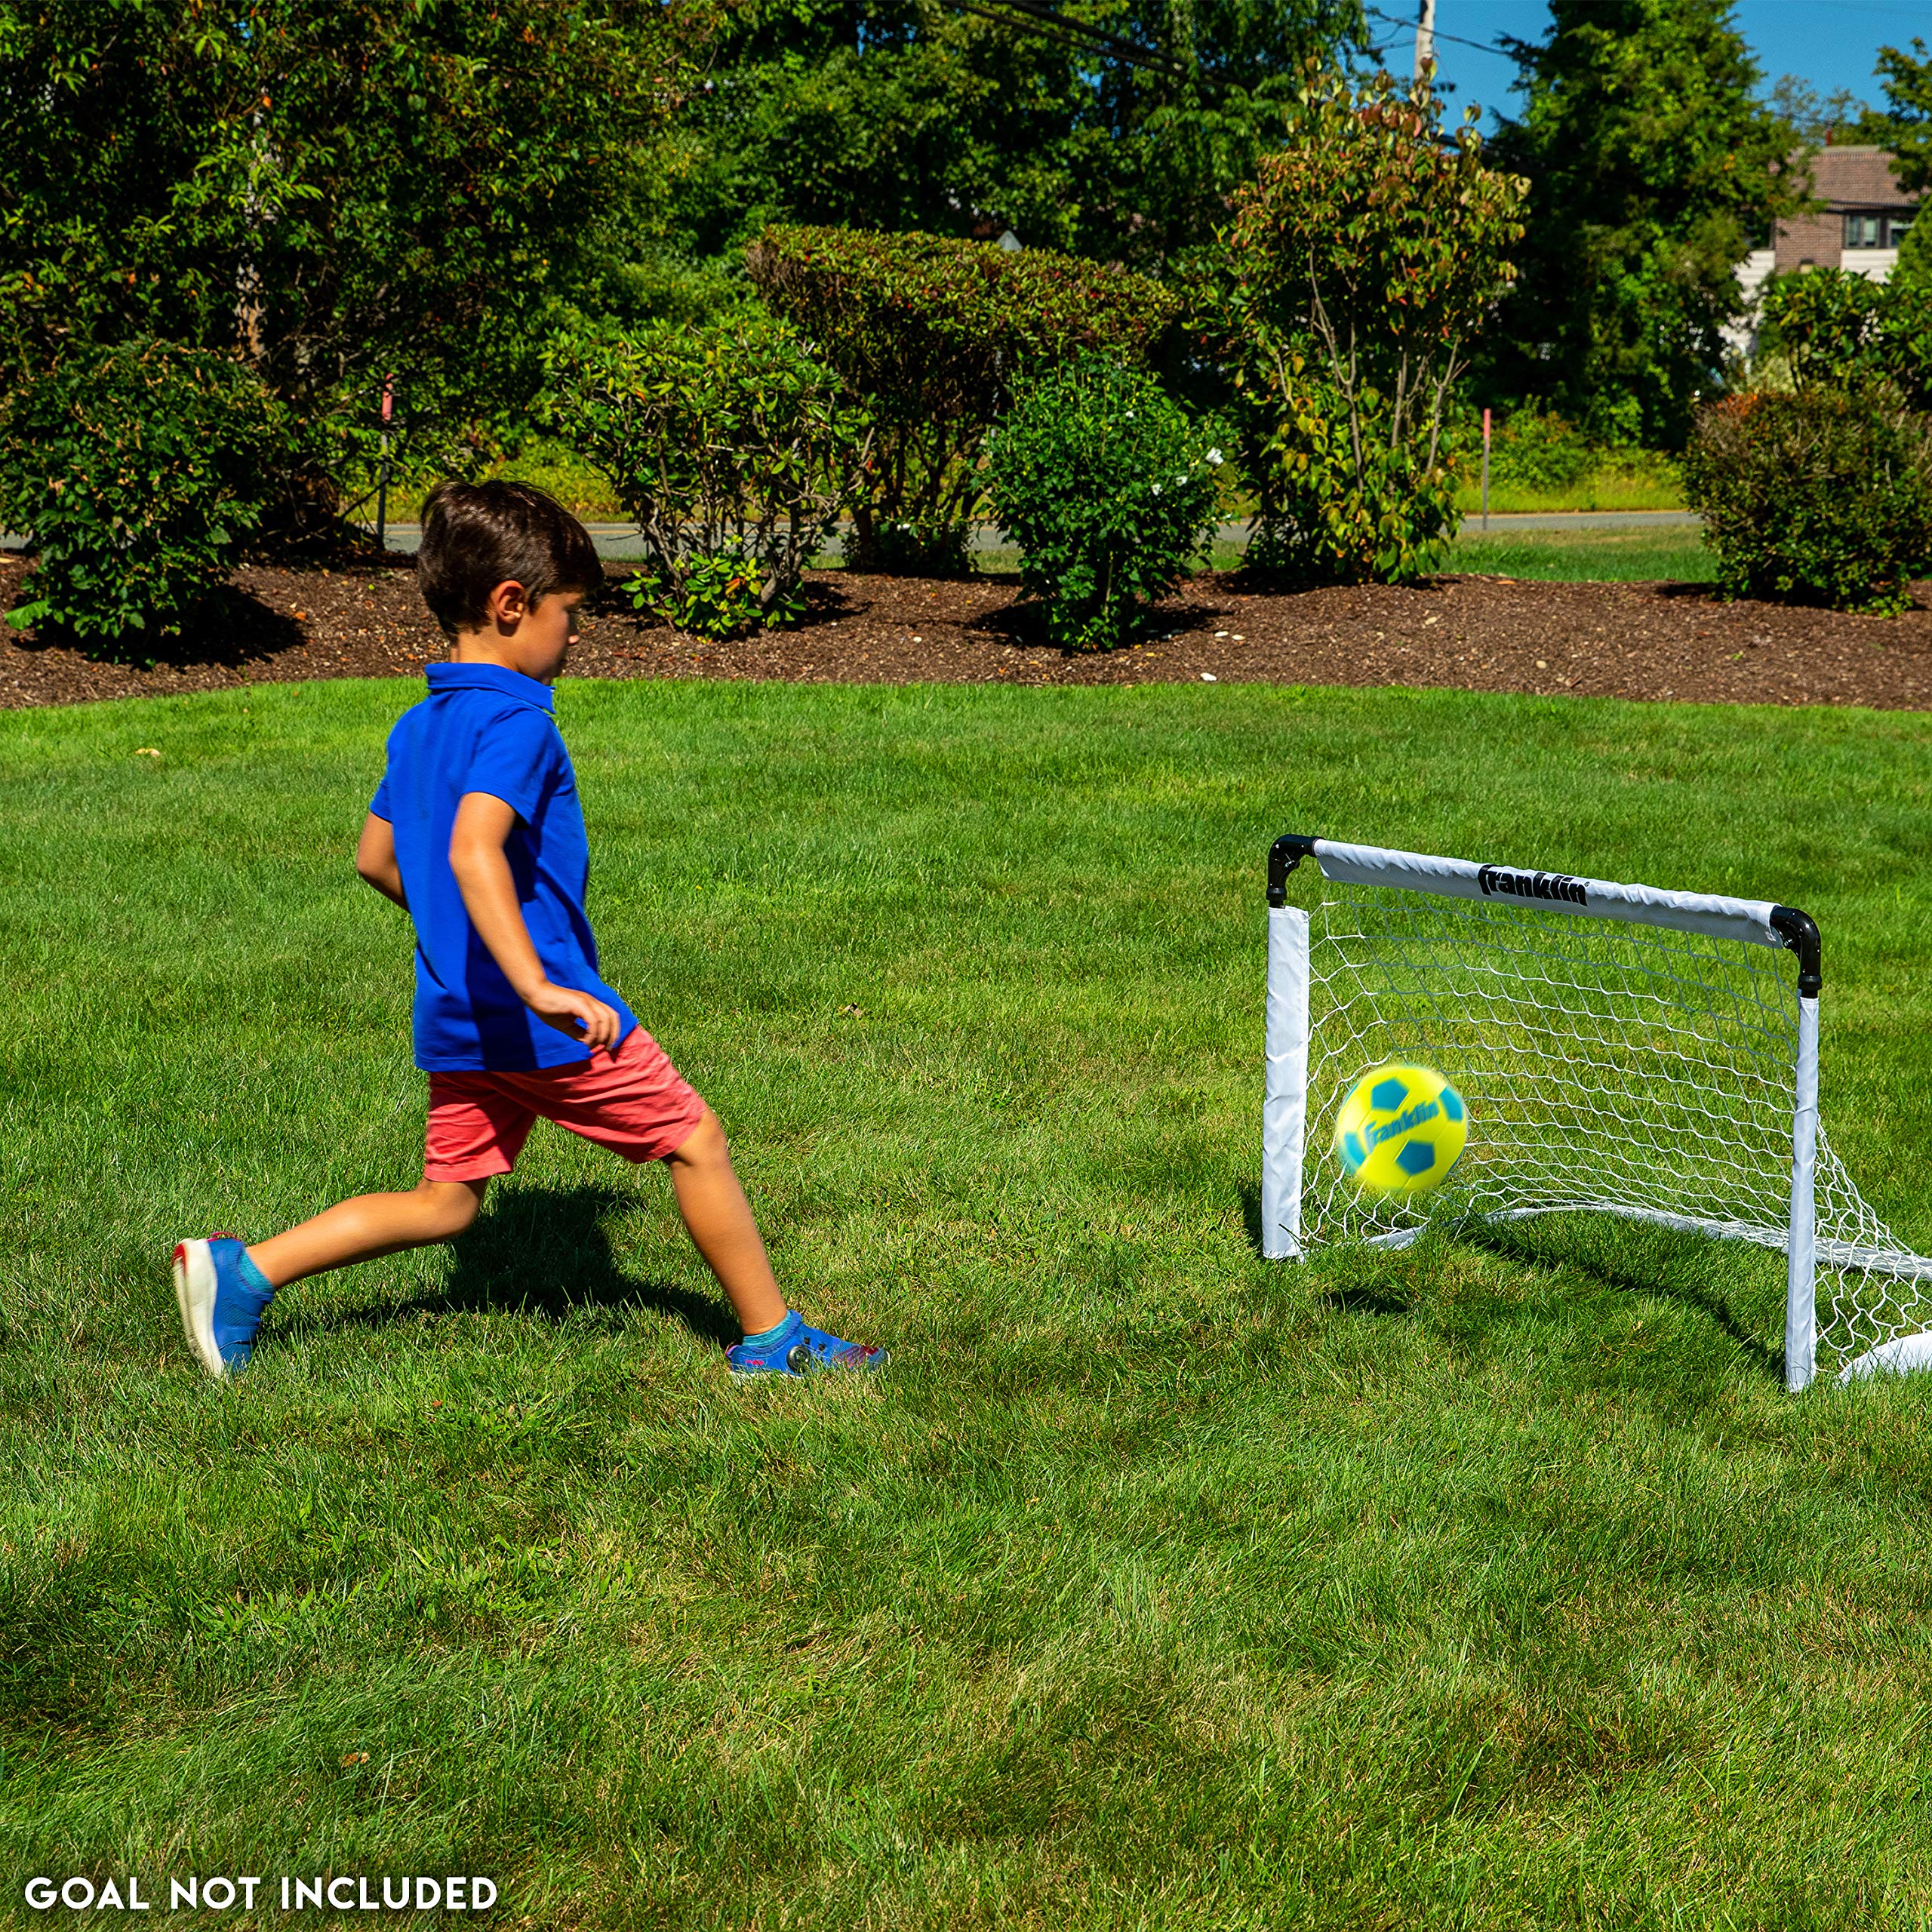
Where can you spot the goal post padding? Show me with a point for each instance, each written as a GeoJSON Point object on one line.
{"type": "Point", "coordinates": [1644, 1053]}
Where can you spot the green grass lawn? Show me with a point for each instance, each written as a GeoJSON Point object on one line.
{"type": "Point", "coordinates": [1494, 1583]}
{"type": "Point", "coordinates": [1677, 553]}
{"type": "Point", "coordinates": [1646, 483]}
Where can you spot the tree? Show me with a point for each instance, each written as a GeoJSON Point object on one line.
{"type": "Point", "coordinates": [1654, 171]}
{"type": "Point", "coordinates": [930, 333]}
{"type": "Point", "coordinates": [1112, 128]}
{"type": "Point", "coordinates": [1906, 127]}
{"type": "Point", "coordinates": [1361, 264]}
{"type": "Point", "coordinates": [1816, 117]}
{"type": "Point", "coordinates": [330, 189]}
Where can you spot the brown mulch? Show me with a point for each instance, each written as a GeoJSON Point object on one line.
{"type": "Point", "coordinates": [1660, 640]}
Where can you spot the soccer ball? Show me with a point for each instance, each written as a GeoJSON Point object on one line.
{"type": "Point", "coordinates": [1400, 1131]}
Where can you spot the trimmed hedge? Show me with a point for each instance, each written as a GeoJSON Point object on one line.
{"type": "Point", "coordinates": [931, 334]}
{"type": "Point", "coordinates": [731, 446]}
{"type": "Point", "coordinates": [1819, 497]}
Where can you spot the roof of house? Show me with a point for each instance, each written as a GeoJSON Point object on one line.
{"type": "Point", "coordinates": [1856, 177]}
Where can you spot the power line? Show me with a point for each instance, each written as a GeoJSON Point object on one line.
{"type": "Point", "coordinates": [1408, 27]}
{"type": "Point", "coordinates": [1096, 40]}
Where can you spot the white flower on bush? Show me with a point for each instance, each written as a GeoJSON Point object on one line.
{"type": "Point", "coordinates": [1216, 458]}
{"type": "Point", "coordinates": [1156, 489]}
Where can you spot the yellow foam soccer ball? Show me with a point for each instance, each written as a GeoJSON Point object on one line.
{"type": "Point", "coordinates": [1400, 1131]}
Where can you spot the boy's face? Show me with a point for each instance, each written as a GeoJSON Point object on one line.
{"type": "Point", "coordinates": [543, 640]}
{"type": "Point", "coordinates": [534, 637]}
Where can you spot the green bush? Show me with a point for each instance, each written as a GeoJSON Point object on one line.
{"type": "Point", "coordinates": [730, 447]}
{"type": "Point", "coordinates": [1820, 497]}
{"type": "Point", "coordinates": [1359, 264]}
{"type": "Point", "coordinates": [717, 594]}
{"type": "Point", "coordinates": [1532, 451]}
{"type": "Point", "coordinates": [1109, 492]}
{"type": "Point", "coordinates": [1840, 330]}
{"type": "Point", "coordinates": [893, 549]}
{"type": "Point", "coordinates": [931, 334]}
{"type": "Point", "coordinates": [136, 472]}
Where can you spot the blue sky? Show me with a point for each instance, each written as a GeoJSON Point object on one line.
{"type": "Point", "coordinates": [1830, 43]}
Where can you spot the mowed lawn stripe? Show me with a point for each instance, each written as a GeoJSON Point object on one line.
{"type": "Point", "coordinates": [1495, 1582]}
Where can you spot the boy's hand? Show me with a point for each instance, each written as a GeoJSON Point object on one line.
{"type": "Point", "coordinates": [575, 1015]}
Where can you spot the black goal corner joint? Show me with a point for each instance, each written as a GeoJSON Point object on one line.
{"type": "Point", "coordinates": [1799, 931]}
{"type": "Point", "coordinates": [1286, 853]}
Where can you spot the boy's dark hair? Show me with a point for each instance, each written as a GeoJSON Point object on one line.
{"type": "Point", "coordinates": [476, 536]}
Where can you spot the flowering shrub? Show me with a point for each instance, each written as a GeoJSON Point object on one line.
{"type": "Point", "coordinates": [733, 449]}
{"type": "Point", "coordinates": [137, 471]}
{"type": "Point", "coordinates": [1109, 492]}
{"type": "Point", "coordinates": [1823, 497]}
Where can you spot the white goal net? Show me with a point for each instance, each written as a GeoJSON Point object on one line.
{"type": "Point", "coordinates": [1640, 1053]}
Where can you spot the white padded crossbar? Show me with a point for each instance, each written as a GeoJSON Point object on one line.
{"type": "Point", "coordinates": [1718, 918]}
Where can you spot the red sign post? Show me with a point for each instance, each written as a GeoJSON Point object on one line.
{"type": "Point", "coordinates": [382, 470]}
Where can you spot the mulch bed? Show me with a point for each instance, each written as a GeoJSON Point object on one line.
{"type": "Point", "coordinates": [1660, 641]}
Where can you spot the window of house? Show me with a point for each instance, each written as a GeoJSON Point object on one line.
{"type": "Point", "coordinates": [1896, 228]}
{"type": "Point", "coordinates": [1864, 231]}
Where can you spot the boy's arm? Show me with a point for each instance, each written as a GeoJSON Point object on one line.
{"type": "Point", "coordinates": [483, 824]}
{"type": "Point", "coordinates": [375, 859]}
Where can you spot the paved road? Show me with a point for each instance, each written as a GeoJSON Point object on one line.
{"type": "Point", "coordinates": [1501, 526]}
{"type": "Point", "coordinates": [618, 540]}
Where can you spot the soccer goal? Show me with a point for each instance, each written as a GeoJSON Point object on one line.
{"type": "Point", "coordinates": [1640, 1053]}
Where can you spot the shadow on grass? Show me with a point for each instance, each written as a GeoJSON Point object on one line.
{"type": "Point", "coordinates": [1664, 1266]}
{"type": "Point", "coordinates": [1353, 1298]}
{"type": "Point", "coordinates": [541, 1251]}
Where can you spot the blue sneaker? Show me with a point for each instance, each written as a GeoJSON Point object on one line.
{"type": "Point", "coordinates": [220, 1308]}
{"type": "Point", "coordinates": [794, 1349]}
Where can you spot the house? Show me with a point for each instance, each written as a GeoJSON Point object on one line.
{"type": "Point", "coordinates": [1864, 217]}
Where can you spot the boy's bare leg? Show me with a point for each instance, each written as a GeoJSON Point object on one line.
{"type": "Point", "coordinates": [719, 1219]}
{"type": "Point", "coordinates": [370, 1225]}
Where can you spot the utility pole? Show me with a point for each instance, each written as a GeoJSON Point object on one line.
{"type": "Point", "coordinates": [1425, 39]}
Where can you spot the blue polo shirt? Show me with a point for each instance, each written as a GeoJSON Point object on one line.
{"type": "Point", "coordinates": [484, 729]}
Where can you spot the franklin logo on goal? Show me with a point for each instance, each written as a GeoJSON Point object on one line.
{"type": "Point", "coordinates": [1493, 879]}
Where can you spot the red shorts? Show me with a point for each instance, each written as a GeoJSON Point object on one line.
{"type": "Point", "coordinates": [634, 1101]}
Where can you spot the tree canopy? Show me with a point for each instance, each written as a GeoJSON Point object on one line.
{"type": "Point", "coordinates": [329, 188]}
{"type": "Point", "coordinates": [1906, 127]}
{"type": "Point", "coordinates": [1654, 169]}
{"type": "Point", "coordinates": [1113, 128]}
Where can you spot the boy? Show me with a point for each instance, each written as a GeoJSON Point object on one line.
{"type": "Point", "coordinates": [476, 833]}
